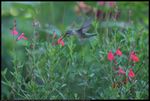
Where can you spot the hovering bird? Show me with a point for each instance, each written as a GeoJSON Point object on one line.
{"type": "Point", "coordinates": [81, 32]}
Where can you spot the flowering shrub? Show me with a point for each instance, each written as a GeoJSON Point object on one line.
{"type": "Point", "coordinates": [15, 32]}
{"type": "Point", "coordinates": [126, 71]}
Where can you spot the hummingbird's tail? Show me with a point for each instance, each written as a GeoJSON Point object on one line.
{"type": "Point", "coordinates": [88, 36]}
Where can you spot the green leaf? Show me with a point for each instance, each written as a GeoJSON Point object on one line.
{"type": "Point", "coordinates": [4, 71]}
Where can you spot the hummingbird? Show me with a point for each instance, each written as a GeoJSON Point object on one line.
{"type": "Point", "coordinates": [81, 31]}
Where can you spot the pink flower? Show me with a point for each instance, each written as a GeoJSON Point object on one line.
{"type": "Point", "coordinates": [54, 35]}
{"type": "Point", "coordinates": [22, 36]}
{"type": "Point", "coordinates": [133, 57]}
{"type": "Point", "coordinates": [14, 31]}
{"type": "Point", "coordinates": [118, 52]}
{"type": "Point", "coordinates": [112, 3]}
{"type": "Point", "coordinates": [131, 73]}
{"type": "Point", "coordinates": [60, 41]}
{"type": "Point", "coordinates": [101, 3]}
{"type": "Point", "coordinates": [121, 71]}
{"type": "Point", "coordinates": [110, 56]}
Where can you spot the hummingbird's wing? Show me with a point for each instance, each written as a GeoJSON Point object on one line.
{"type": "Point", "coordinates": [85, 27]}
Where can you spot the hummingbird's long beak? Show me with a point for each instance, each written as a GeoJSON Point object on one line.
{"type": "Point", "coordinates": [64, 35]}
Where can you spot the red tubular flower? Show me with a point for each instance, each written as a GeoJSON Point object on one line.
{"type": "Point", "coordinates": [133, 57]}
{"type": "Point", "coordinates": [131, 73]}
{"type": "Point", "coordinates": [60, 41]}
{"type": "Point", "coordinates": [25, 38]}
{"type": "Point", "coordinates": [14, 31]}
{"type": "Point", "coordinates": [22, 36]}
{"type": "Point", "coordinates": [121, 71]}
{"type": "Point", "coordinates": [118, 52]}
{"type": "Point", "coordinates": [110, 56]}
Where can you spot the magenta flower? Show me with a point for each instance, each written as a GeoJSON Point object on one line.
{"type": "Point", "coordinates": [110, 56]}
{"type": "Point", "coordinates": [22, 36]}
{"type": "Point", "coordinates": [121, 71]}
{"type": "Point", "coordinates": [60, 41]}
{"type": "Point", "coordinates": [131, 73]}
{"type": "Point", "coordinates": [118, 52]}
{"type": "Point", "coordinates": [14, 31]}
{"type": "Point", "coordinates": [133, 57]}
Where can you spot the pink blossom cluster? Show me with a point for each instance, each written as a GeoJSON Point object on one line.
{"type": "Point", "coordinates": [133, 57]}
